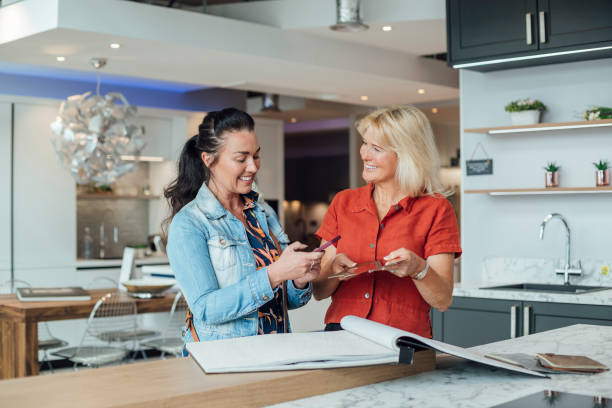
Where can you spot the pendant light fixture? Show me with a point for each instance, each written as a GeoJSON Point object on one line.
{"type": "Point", "coordinates": [348, 16]}
{"type": "Point", "coordinates": [91, 133]}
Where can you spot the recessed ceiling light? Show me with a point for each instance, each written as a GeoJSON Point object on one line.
{"type": "Point", "coordinates": [363, 97]}
{"type": "Point", "coordinates": [421, 91]}
{"type": "Point", "coordinates": [293, 120]}
{"type": "Point", "coordinates": [434, 110]}
{"type": "Point", "coordinates": [60, 59]}
{"type": "Point", "coordinates": [387, 28]}
{"type": "Point", "coordinates": [115, 45]}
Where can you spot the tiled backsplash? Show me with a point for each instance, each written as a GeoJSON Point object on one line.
{"type": "Point", "coordinates": [595, 272]}
{"type": "Point", "coordinates": [130, 215]}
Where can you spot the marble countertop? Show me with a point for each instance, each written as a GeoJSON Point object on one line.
{"type": "Point", "coordinates": [477, 290]}
{"type": "Point", "coordinates": [458, 383]}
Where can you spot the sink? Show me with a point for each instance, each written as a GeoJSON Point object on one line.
{"type": "Point", "coordinates": [549, 287]}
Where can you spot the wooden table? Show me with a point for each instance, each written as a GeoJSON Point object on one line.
{"type": "Point", "coordinates": [179, 382]}
{"type": "Point", "coordinates": [19, 326]}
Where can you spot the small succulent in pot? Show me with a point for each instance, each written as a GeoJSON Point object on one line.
{"type": "Point", "coordinates": [602, 174]}
{"type": "Point", "coordinates": [602, 165]}
{"type": "Point", "coordinates": [552, 174]}
{"type": "Point", "coordinates": [552, 167]}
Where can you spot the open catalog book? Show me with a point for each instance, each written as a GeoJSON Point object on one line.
{"type": "Point", "coordinates": [361, 343]}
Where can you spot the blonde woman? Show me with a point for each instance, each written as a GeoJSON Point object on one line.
{"type": "Point", "coordinates": [402, 219]}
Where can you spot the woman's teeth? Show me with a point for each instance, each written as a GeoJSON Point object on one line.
{"type": "Point", "coordinates": [370, 167]}
{"type": "Point", "coordinates": [246, 178]}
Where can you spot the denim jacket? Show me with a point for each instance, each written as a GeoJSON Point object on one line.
{"type": "Point", "coordinates": [213, 262]}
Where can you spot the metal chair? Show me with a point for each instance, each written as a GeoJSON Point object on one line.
{"type": "Point", "coordinates": [103, 282]}
{"type": "Point", "coordinates": [110, 328]}
{"type": "Point", "coordinates": [171, 341]}
{"type": "Point", "coordinates": [46, 339]}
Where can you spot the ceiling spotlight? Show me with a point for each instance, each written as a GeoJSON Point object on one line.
{"type": "Point", "coordinates": [363, 98]}
{"type": "Point", "coordinates": [115, 45]}
{"type": "Point", "coordinates": [60, 59]}
{"type": "Point", "coordinates": [387, 28]}
{"type": "Point", "coordinates": [434, 110]}
{"type": "Point", "coordinates": [293, 120]}
{"type": "Point", "coordinates": [347, 16]}
{"type": "Point", "coordinates": [421, 91]}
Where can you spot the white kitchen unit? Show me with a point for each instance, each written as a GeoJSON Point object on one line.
{"type": "Point", "coordinates": [157, 135]}
{"type": "Point", "coordinates": [5, 187]}
{"type": "Point", "coordinates": [271, 175]}
{"type": "Point", "coordinates": [44, 194]}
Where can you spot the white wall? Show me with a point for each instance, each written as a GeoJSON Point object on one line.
{"type": "Point", "coordinates": [508, 226]}
{"type": "Point", "coordinates": [5, 188]}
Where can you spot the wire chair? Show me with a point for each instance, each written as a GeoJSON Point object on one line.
{"type": "Point", "coordinates": [171, 341]}
{"type": "Point", "coordinates": [101, 282]}
{"type": "Point", "coordinates": [110, 334]}
{"type": "Point", "coordinates": [139, 334]}
{"type": "Point", "coordinates": [46, 339]}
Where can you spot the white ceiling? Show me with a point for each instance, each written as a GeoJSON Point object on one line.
{"type": "Point", "coordinates": [302, 59]}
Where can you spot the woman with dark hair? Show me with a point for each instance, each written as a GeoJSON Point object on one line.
{"type": "Point", "coordinates": [226, 247]}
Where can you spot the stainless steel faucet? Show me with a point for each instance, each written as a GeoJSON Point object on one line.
{"type": "Point", "coordinates": [102, 246]}
{"type": "Point", "coordinates": [567, 269]}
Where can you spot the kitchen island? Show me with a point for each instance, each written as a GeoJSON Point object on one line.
{"type": "Point", "coordinates": [457, 383]}
{"type": "Point", "coordinates": [454, 383]}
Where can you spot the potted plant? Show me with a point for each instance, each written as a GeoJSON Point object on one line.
{"type": "Point", "coordinates": [598, 112]}
{"type": "Point", "coordinates": [602, 174]}
{"type": "Point", "coordinates": [525, 111]}
{"type": "Point", "coordinates": [552, 174]}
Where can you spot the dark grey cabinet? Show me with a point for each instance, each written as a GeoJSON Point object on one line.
{"type": "Point", "coordinates": [485, 30]}
{"type": "Point", "coordinates": [474, 321]}
{"type": "Point", "coordinates": [488, 28]}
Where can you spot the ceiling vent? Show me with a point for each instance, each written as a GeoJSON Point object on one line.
{"type": "Point", "coordinates": [347, 16]}
{"type": "Point", "coordinates": [270, 103]}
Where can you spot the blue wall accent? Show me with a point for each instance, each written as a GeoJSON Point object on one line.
{"type": "Point", "coordinates": [205, 100]}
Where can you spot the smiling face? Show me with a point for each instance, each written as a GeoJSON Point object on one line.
{"type": "Point", "coordinates": [236, 165]}
{"type": "Point", "coordinates": [379, 163]}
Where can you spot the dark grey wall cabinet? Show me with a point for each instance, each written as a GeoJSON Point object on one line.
{"type": "Point", "coordinates": [474, 321]}
{"type": "Point", "coordinates": [486, 30]}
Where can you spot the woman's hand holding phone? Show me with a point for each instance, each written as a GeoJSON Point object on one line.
{"type": "Point", "coordinates": [301, 267]}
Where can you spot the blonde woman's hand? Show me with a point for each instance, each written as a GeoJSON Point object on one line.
{"type": "Point", "coordinates": [340, 263]}
{"type": "Point", "coordinates": [404, 262]}
{"type": "Point", "coordinates": [301, 267]}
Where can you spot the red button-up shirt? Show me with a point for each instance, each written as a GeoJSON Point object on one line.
{"type": "Point", "coordinates": [426, 225]}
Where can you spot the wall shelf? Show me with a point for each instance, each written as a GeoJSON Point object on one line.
{"type": "Point", "coordinates": [99, 196]}
{"type": "Point", "coordinates": [542, 191]}
{"type": "Point", "coordinates": [540, 127]}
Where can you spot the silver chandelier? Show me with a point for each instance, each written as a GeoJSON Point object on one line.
{"type": "Point", "coordinates": [91, 133]}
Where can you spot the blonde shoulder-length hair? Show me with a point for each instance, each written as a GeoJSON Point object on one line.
{"type": "Point", "coordinates": [406, 131]}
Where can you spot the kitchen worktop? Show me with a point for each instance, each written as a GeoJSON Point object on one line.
{"type": "Point", "coordinates": [456, 383]}
{"type": "Point", "coordinates": [477, 290]}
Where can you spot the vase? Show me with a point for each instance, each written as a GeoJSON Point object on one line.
{"type": "Point", "coordinates": [602, 178]}
{"type": "Point", "coordinates": [527, 117]}
{"type": "Point", "coordinates": [552, 179]}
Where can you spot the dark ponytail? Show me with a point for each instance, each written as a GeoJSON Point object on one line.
{"type": "Point", "coordinates": [192, 172]}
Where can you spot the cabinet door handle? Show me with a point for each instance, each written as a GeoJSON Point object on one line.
{"type": "Point", "coordinates": [542, 27]}
{"type": "Point", "coordinates": [513, 310]}
{"type": "Point", "coordinates": [528, 33]}
{"type": "Point", "coordinates": [526, 323]}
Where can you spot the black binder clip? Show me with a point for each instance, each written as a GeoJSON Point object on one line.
{"type": "Point", "coordinates": [406, 355]}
